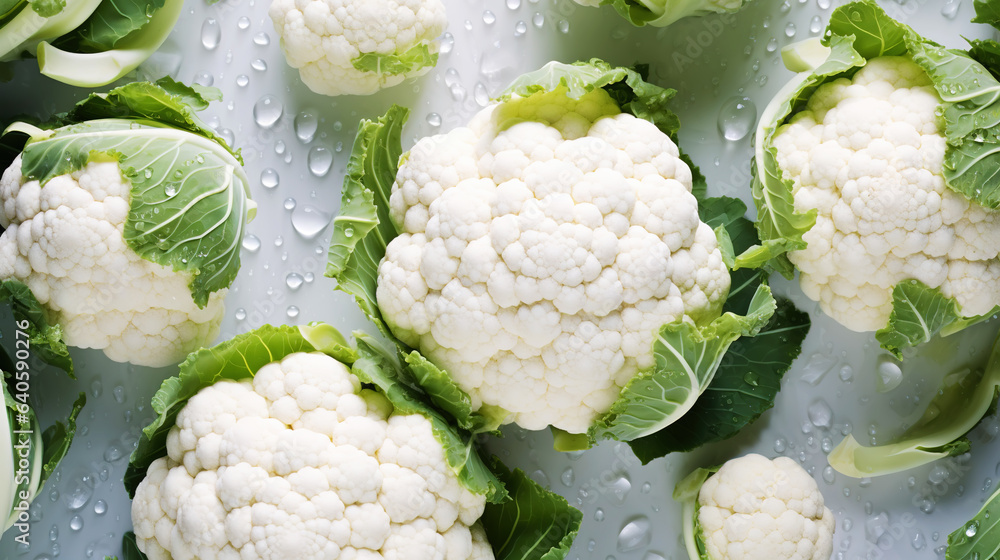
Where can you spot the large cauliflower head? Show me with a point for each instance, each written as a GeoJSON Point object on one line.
{"type": "Point", "coordinates": [65, 242]}
{"type": "Point", "coordinates": [302, 463]}
{"type": "Point", "coordinates": [325, 38]}
{"type": "Point", "coordinates": [867, 154]}
{"type": "Point", "coordinates": [758, 509]}
{"type": "Point", "coordinates": [541, 248]}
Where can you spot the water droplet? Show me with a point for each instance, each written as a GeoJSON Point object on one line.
{"type": "Point", "coordinates": [320, 159]}
{"type": "Point", "coordinates": [950, 8]}
{"type": "Point", "coordinates": [434, 120]}
{"type": "Point", "coordinates": [790, 30]}
{"type": "Point", "coordinates": [269, 178]}
{"type": "Point", "coordinates": [251, 243]}
{"type": "Point", "coordinates": [751, 379]}
{"type": "Point", "coordinates": [890, 375]}
{"type": "Point", "coordinates": [96, 389]}
{"type": "Point", "coordinates": [621, 487]}
{"type": "Point", "coordinates": [294, 280]}
{"type": "Point", "coordinates": [829, 476]}
{"type": "Point", "coordinates": [243, 22]}
{"type": "Point", "coordinates": [240, 314]}
{"type": "Point", "coordinates": [489, 17]}
{"type": "Point", "coordinates": [971, 529]}
{"type": "Point", "coordinates": [258, 65]}
{"type": "Point", "coordinates": [635, 535]}
{"type": "Point", "coordinates": [599, 514]}
{"type": "Point", "coordinates": [113, 453]}
{"type": "Point", "coordinates": [170, 189]}
{"type": "Point", "coordinates": [520, 28]}
{"type": "Point", "coordinates": [242, 80]}
{"type": "Point", "coordinates": [780, 445]}
{"type": "Point", "coordinates": [289, 203]}
{"type": "Point", "coordinates": [737, 118]}
{"type": "Point", "coordinates": [820, 413]}
{"type": "Point", "coordinates": [279, 241]}
{"type": "Point", "coordinates": [480, 94]}
{"type": "Point", "coordinates": [292, 311]}
{"type": "Point", "coordinates": [918, 541]}
{"type": "Point", "coordinates": [568, 477]}
{"type": "Point", "coordinates": [447, 43]}
{"type": "Point", "coordinates": [100, 507]}
{"type": "Point", "coordinates": [823, 4]}
{"type": "Point", "coordinates": [309, 221]}
{"type": "Point", "coordinates": [645, 488]}
{"type": "Point", "coordinates": [76, 523]}
{"type": "Point", "coordinates": [79, 494]}
{"type": "Point", "coordinates": [204, 79]}
{"type": "Point", "coordinates": [563, 26]}
{"type": "Point", "coordinates": [211, 34]}
{"type": "Point", "coordinates": [261, 39]}
{"type": "Point", "coordinates": [815, 25]}
{"type": "Point", "coordinates": [306, 124]}
{"type": "Point", "coordinates": [119, 394]}
{"type": "Point", "coordinates": [267, 111]}
{"type": "Point", "coordinates": [513, 4]}
{"type": "Point", "coordinates": [538, 20]}
{"type": "Point", "coordinates": [772, 45]}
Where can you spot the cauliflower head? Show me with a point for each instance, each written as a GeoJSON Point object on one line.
{"type": "Point", "coordinates": [541, 247]}
{"type": "Point", "coordinates": [301, 462]}
{"type": "Point", "coordinates": [357, 47]}
{"type": "Point", "coordinates": [754, 508]}
{"type": "Point", "coordinates": [867, 155]}
{"type": "Point", "coordinates": [65, 242]}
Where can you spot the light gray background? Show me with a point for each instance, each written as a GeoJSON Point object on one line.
{"type": "Point", "coordinates": [628, 513]}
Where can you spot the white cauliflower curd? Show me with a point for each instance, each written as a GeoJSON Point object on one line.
{"type": "Point", "coordinates": [64, 241]}
{"type": "Point", "coordinates": [754, 508]}
{"type": "Point", "coordinates": [540, 250]}
{"type": "Point", "coordinates": [867, 155]}
{"type": "Point", "coordinates": [302, 463]}
{"type": "Point", "coordinates": [357, 47]}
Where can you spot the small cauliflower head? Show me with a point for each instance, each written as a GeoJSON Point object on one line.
{"type": "Point", "coordinates": [326, 40]}
{"type": "Point", "coordinates": [754, 508]}
{"type": "Point", "coordinates": [867, 154]}
{"type": "Point", "coordinates": [65, 242]}
{"type": "Point", "coordinates": [541, 249]}
{"type": "Point", "coordinates": [302, 463]}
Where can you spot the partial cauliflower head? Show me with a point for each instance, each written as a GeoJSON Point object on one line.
{"type": "Point", "coordinates": [325, 38]}
{"type": "Point", "coordinates": [754, 508]}
{"type": "Point", "coordinates": [302, 463]}
{"type": "Point", "coordinates": [64, 241]}
{"type": "Point", "coordinates": [541, 249]}
{"type": "Point", "coordinates": [867, 155]}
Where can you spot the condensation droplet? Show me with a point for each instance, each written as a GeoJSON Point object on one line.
{"type": "Point", "coordinates": [258, 65]}
{"type": "Point", "coordinates": [76, 523]}
{"type": "Point", "coordinates": [309, 221]}
{"type": "Point", "coordinates": [211, 34]}
{"type": "Point", "coordinates": [489, 18]}
{"type": "Point", "coordinates": [447, 43]}
{"type": "Point", "coordinates": [568, 477]}
{"type": "Point", "coordinates": [434, 119]}
{"type": "Point", "coordinates": [520, 28]}
{"type": "Point", "coordinates": [820, 413]}
{"type": "Point", "coordinates": [269, 178]}
{"type": "Point", "coordinates": [635, 534]}
{"type": "Point", "coordinates": [243, 22]}
{"type": "Point", "coordinates": [251, 243]}
{"type": "Point", "coordinates": [100, 507]}
{"type": "Point", "coordinates": [790, 30]}
{"type": "Point", "coordinates": [319, 159]}
{"type": "Point", "coordinates": [261, 39]}
{"type": "Point", "coordinates": [292, 311]}
{"type": "Point", "coordinates": [267, 111]}
{"type": "Point", "coordinates": [815, 25]}
{"type": "Point", "coordinates": [737, 118]}
{"type": "Point", "coordinates": [950, 8]}
{"type": "Point", "coordinates": [294, 280]}
{"type": "Point", "coordinates": [289, 203]}
{"type": "Point", "coordinates": [599, 514]}
{"type": "Point", "coordinates": [306, 124]}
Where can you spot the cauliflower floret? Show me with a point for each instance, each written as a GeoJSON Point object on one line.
{"type": "Point", "coordinates": [867, 154]}
{"type": "Point", "coordinates": [541, 248]}
{"type": "Point", "coordinates": [324, 38]}
{"type": "Point", "coordinates": [248, 476]}
{"type": "Point", "coordinates": [758, 509]}
{"type": "Point", "coordinates": [65, 242]}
